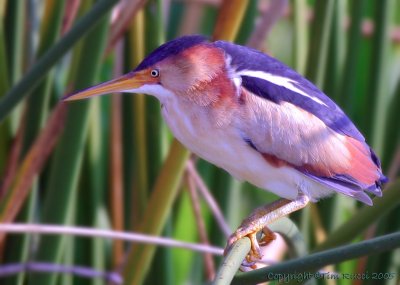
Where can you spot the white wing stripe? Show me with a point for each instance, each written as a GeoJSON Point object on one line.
{"type": "Point", "coordinates": [278, 80]}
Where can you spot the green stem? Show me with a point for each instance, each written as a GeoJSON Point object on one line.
{"type": "Point", "coordinates": [353, 48]}
{"type": "Point", "coordinates": [309, 264]}
{"type": "Point", "coordinates": [300, 35]}
{"type": "Point", "coordinates": [378, 95]}
{"type": "Point", "coordinates": [232, 261]}
{"type": "Point", "coordinates": [318, 52]}
{"type": "Point", "coordinates": [157, 211]}
{"type": "Point", "coordinates": [241, 248]}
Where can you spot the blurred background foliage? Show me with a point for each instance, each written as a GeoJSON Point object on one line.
{"type": "Point", "coordinates": [111, 162]}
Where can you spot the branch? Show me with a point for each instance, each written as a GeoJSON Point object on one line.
{"type": "Point", "coordinates": [101, 233]}
{"type": "Point", "coordinates": [15, 268]}
{"type": "Point", "coordinates": [318, 260]}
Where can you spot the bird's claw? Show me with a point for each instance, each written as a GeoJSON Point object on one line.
{"type": "Point", "coordinates": [254, 254]}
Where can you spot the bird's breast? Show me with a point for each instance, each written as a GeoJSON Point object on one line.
{"type": "Point", "coordinates": [223, 146]}
{"type": "Point", "coordinates": [193, 125]}
{"type": "Point", "coordinates": [207, 132]}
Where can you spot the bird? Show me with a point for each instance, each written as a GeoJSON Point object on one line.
{"type": "Point", "coordinates": [253, 116]}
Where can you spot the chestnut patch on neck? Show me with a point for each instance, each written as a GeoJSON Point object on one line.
{"type": "Point", "coordinates": [198, 74]}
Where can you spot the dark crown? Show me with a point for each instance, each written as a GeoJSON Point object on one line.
{"type": "Point", "coordinates": [173, 47]}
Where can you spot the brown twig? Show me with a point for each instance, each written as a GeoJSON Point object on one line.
{"type": "Point", "coordinates": [121, 20]}
{"type": "Point", "coordinates": [194, 198]}
{"type": "Point", "coordinates": [216, 211]}
{"type": "Point", "coordinates": [268, 19]}
{"type": "Point", "coordinates": [107, 234]}
{"type": "Point", "coordinates": [71, 10]}
{"type": "Point", "coordinates": [13, 159]}
{"type": "Point", "coordinates": [47, 267]}
{"type": "Point", "coordinates": [116, 172]}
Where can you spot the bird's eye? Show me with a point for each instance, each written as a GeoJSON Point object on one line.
{"type": "Point", "coordinates": [155, 73]}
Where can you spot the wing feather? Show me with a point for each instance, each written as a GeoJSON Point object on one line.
{"type": "Point", "coordinates": [245, 59]}
{"type": "Point", "coordinates": [285, 134]}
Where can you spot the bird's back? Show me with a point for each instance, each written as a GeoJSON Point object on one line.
{"type": "Point", "coordinates": [298, 125]}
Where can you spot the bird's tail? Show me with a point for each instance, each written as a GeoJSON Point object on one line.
{"type": "Point", "coordinates": [382, 179]}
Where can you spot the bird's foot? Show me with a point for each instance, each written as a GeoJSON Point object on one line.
{"type": "Point", "coordinates": [258, 220]}
{"type": "Point", "coordinates": [249, 231]}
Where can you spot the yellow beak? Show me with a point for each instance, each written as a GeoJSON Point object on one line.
{"type": "Point", "coordinates": [125, 83]}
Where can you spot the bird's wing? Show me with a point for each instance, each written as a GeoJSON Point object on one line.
{"type": "Point", "coordinates": [286, 135]}
{"type": "Point", "coordinates": [291, 122]}
{"type": "Point", "coordinates": [269, 78]}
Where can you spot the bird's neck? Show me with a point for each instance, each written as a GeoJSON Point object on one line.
{"type": "Point", "coordinates": [211, 91]}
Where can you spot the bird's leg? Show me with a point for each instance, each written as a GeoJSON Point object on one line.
{"type": "Point", "coordinates": [260, 218]}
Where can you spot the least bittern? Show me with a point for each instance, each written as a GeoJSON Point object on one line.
{"type": "Point", "coordinates": [258, 119]}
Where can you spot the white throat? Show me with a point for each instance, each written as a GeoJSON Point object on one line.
{"type": "Point", "coordinates": [156, 90]}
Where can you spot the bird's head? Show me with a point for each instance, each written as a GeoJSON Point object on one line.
{"type": "Point", "coordinates": [176, 68]}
